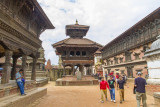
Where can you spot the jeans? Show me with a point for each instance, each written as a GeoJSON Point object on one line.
{"type": "Point", "coordinates": [112, 93]}
{"type": "Point", "coordinates": [20, 84]}
{"type": "Point", "coordinates": [103, 92]}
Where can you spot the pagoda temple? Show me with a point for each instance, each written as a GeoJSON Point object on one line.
{"type": "Point", "coordinates": [77, 51]}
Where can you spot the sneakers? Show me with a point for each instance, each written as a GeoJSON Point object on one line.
{"type": "Point", "coordinates": [102, 101]}
{"type": "Point", "coordinates": [121, 102]}
{"type": "Point", "coordinates": [24, 94]}
{"type": "Point", "coordinates": [106, 99]}
{"type": "Point", "coordinates": [114, 101]}
{"type": "Point", "coordinates": [111, 100]}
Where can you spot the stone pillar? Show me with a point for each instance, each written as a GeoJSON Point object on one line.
{"type": "Point", "coordinates": [103, 71]}
{"type": "Point", "coordinates": [28, 65]}
{"type": "Point", "coordinates": [24, 58]}
{"type": "Point", "coordinates": [73, 70]}
{"type": "Point", "coordinates": [81, 68]}
{"type": "Point", "coordinates": [13, 72]}
{"type": "Point", "coordinates": [7, 67]}
{"type": "Point", "coordinates": [64, 70]}
{"type": "Point", "coordinates": [33, 76]}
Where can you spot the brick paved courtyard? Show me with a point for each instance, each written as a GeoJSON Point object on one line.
{"type": "Point", "coordinates": [85, 96]}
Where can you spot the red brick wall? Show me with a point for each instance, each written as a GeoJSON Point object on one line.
{"type": "Point", "coordinates": [150, 89]}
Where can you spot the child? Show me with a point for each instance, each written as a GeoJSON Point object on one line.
{"type": "Point", "coordinates": [112, 83]}
{"type": "Point", "coordinates": [103, 89]}
{"type": "Point", "coordinates": [121, 83]}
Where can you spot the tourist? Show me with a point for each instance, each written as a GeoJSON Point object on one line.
{"type": "Point", "coordinates": [112, 83]}
{"type": "Point", "coordinates": [120, 84]}
{"type": "Point", "coordinates": [117, 78]}
{"type": "Point", "coordinates": [103, 85]}
{"type": "Point", "coordinates": [111, 73]}
{"type": "Point", "coordinates": [140, 90]}
{"type": "Point", "coordinates": [106, 75]}
{"type": "Point", "coordinates": [19, 81]}
{"type": "Point", "coordinates": [99, 77]}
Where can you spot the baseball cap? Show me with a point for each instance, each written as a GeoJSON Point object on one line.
{"type": "Point", "coordinates": [139, 73]}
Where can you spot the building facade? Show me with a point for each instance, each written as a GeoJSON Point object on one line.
{"type": "Point", "coordinates": [126, 52]}
{"type": "Point", "coordinates": [21, 23]}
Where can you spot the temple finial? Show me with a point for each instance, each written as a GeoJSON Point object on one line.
{"type": "Point", "coordinates": [76, 22]}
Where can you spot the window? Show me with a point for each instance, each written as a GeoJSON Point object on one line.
{"type": "Point", "coordinates": [122, 71]}
{"type": "Point", "coordinates": [83, 53]}
{"type": "Point", "coordinates": [128, 56]}
{"type": "Point", "coordinates": [78, 53]}
{"type": "Point", "coordinates": [64, 53]}
{"type": "Point", "coordinates": [71, 53]}
{"type": "Point", "coordinates": [121, 59]}
{"type": "Point", "coordinates": [137, 56]}
{"type": "Point", "coordinates": [111, 62]}
{"type": "Point", "coordinates": [116, 60]}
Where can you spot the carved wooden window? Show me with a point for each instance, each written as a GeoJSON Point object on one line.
{"type": "Point", "coordinates": [116, 60]}
{"type": "Point", "coordinates": [121, 60]}
{"type": "Point", "coordinates": [136, 56]}
{"type": "Point", "coordinates": [83, 53]}
{"type": "Point", "coordinates": [64, 53]}
{"type": "Point", "coordinates": [127, 56]}
{"type": "Point", "coordinates": [122, 71]}
{"type": "Point", "coordinates": [109, 71]}
{"type": "Point", "coordinates": [78, 53]}
{"type": "Point", "coordinates": [146, 33]}
{"type": "Point", "coordinates": [153, 29]}
{"type": "Point", "coordinates": [108, 62]}
{"type": "Point", "coordinates": [71, 53]}
{"type": "Point", "coordinates": [111, 62]}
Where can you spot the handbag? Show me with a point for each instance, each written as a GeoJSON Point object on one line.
{"type": "Point", "coordinates": [134, 90]}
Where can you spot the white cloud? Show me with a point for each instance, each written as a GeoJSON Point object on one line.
{"type": "Point", "coordinates": [107, 18]}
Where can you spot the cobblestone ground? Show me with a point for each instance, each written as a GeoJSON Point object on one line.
{"type": "Point", "coordinates": [85, 96]}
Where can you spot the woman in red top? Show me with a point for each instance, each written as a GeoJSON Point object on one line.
{"type": "Point", "coordinates": [103, 85]}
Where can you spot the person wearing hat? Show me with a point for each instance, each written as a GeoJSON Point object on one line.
{"type": "Point", "coordinates": [140, 90]}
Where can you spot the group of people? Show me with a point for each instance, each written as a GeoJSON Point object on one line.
{"type": "Point", "coordinates": [111, 84]}
{"type": "Point", "coordinates": [120, 81]}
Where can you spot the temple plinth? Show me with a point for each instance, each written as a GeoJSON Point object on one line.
{"type": "Point", "coordinates": [77, 51]}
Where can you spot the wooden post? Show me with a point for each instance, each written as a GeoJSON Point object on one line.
{"type": "Point", "coordinates": [7, 67]}
{"type": "Point", "coordinates": [24, 58]}
{"type": "Point", "coordinates": [64, 70]}
{"type": "Point", "coordinates": [33, 77]}
{"type": "Point", "coordinates": [13, 72]}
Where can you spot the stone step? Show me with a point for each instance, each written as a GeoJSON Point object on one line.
{"type": "Point", "coordinates": [36, 72]}
{"type": "Point", "coordinates": [37, 75]}
{"type": "Point", "coordinates": [23, 101]}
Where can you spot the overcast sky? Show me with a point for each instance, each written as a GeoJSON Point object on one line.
{"type": "Point", "coordinates": [107, 19]}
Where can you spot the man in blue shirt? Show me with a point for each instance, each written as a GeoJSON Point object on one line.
{"type": "Point", "coordinates": [140, 90]}
{"type": "Point", "coordinates": [19, 81]}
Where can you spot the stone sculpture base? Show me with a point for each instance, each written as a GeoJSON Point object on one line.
{"type": "Point", "coordinates": [69, 80]}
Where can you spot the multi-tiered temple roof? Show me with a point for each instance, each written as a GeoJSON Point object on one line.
{"type": "Point", "coordinates": [76, 50]}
